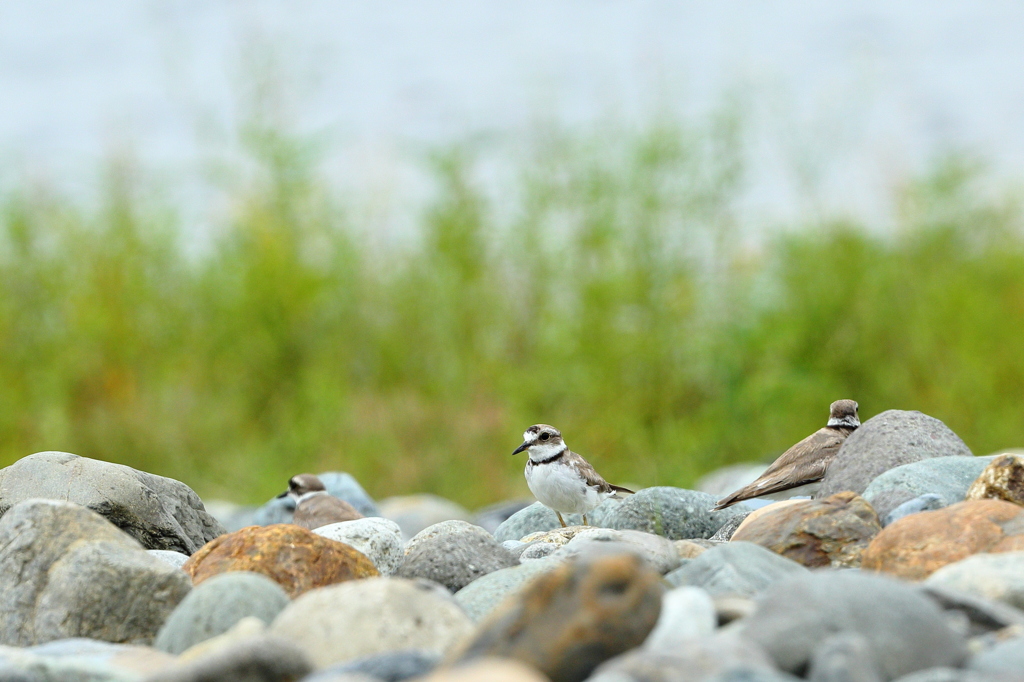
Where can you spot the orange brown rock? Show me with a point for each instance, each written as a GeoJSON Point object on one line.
{"type": "Point", "coordinates": [917, 545]}
{"type": "Point", "coordinates": [295, 558]}
{"type": "Point", "coordinates": [816, 533]}
{"type": "Point", "coordinates": [1002, 479]}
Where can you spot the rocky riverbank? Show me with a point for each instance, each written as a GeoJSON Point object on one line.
{"type": "Point", "coordinates": [909, 566]}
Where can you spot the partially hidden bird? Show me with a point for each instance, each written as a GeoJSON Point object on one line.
{"type": "Point", "coordinates": [314, 506]}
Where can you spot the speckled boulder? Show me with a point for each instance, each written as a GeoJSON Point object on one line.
{"type": "Point", "coordinates": [454, 554]}
{"type": "Point", "coordinates": [378, 538]}
{"type": "Point", "coordinates": [674, 513]}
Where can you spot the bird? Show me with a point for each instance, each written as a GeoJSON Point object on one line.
{"type": "Point", "coordinates": [804, 464]}
{"type": "Point", "coordinates": [561, 479]}
{"type": "Point", "coordinates": [314, 507]}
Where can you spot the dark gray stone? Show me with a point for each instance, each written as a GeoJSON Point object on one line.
{"type": "Point", "coordinates": [735, 568]}
{"type": "Point", "coordinates": [674, 513]}
{"type": "Point", "coordinates": [489, 518]}
{"type": "Point", "coordinates": [695, 660]}
{"type": "Point", "coordinates": [845, 657]}
{"type": "Point", "coordinates": [454, 554]}
{"type": "Point", "coordinates": [886, 441]}
{"type": "Point", "coordinates": [159, 512]}
{"type": "Point", "coordinates": [947, 477]}
{"type": "Point", "coordinates": [725, 533]}
{"type": "Point", "coordinates": [1004, 659]}
{"type": "Point", "coordinates": [906, 630]}
{"type": "Point", "coordinates": [535, 518]}
{"type": "Point", "coordinates": [255, 659]}
{"type": "Point", "coordinates": [480, 597]}
{"type": "Point", "coordinates": [217, 604]}
{"type": "Point", "coordinates": [65, 571]}
{"type": "Point", "coordinates": [393, 666]}
{"type": "Point", "coordinates": [922, 503]}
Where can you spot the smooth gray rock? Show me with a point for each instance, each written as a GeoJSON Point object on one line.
{"type": "Point", "coordinates": [254, 659]}
{"type": "Point", "coordinates": [217, 604]}
{"type": "Point", "coordinates": [454, 554]}
{"type": "Point", "coordinates": [414, 513]}
{"type": "Point", "coordinates": [1005, 659]}
{"type": "Point", "coordinates": [686, 613]}
{"type": "Point", "coordinates": [846, 657]}
{"type": "Point", "coordinates": [659, 553]}
{"type": "Point", "coordinates": [490, 517]}
{"type": "Point", "coordinates": [997, 577]}
{"type": "Point", "coordinates": [906, 630]}
{"type": "Point", "coordinates": [274, 510]}
{"type": "Point", "coordinates": [344, 486]}
{"type": "Point", "coordinates": [922, 503]}
{"type": "Point", "coordinates": [736, 568]}
{"type": "Point", "coordinates": [947, 477]}
{"type": "Point", "coordinates": [674, 513]}
{"type": "Point", "coordinates": [694, 660]}
{"type": "Point", "coordinates": [159, 512]}
{"type": "Point", "coordinates": [535, 518]}
{"type": "Point", "coordinates": [378, 538]}
{"type": "Point", "coordinates": [393, 666]}
{"type": "Point", "coordinates": [947, 675]}
{"type": "Point", "coordinates": [480, 597]}
{"type": "Point", "coordinates": [886, 441]}
{"type": "Point", "coordinates": [65, 571]}
{"type": "Point", "coordinates": [176, 559]}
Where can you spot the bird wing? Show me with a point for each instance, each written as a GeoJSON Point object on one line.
{"type": "Point", "coordinates": [803, 463]}
{"type": "Point", "coordinates": [589, 474]}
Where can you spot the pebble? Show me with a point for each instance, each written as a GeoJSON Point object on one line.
{"type": "Point", "coordinates": [922, 503]}
{"type": "Point", "coordinates": [736, 569]}
{"type": "Point", "coordinates": [295, 558]}
{"type": "Point", "coordinates": [482, 596]}
{"type": "Point", "coordinates": [1002, 479]}
{"type": "Point", "coordinates": [918, 545]}
{"type": "Point", "coordinates": [997, 577]}
{"type": "Point", "coordinates": [886, 441]}
{"type": "Point", "coordinates": [686, 613]}
{"type": "Point", "coordinates": [947, 477]}
{"type": "Point", "coordinates": [674, 513]}
{"type": "Point", "coordinates": [414, 513]}
{"type": "Point", "coordinates": [362, 618]}
{"type": "Point", "coordinates": [454, 554]}
{"type": "Point", "coordinates": [216, 605]}
{"type": "Point", "coordinates": [833, 531]}
{"type": "Point", "coordinates": [378, 538]}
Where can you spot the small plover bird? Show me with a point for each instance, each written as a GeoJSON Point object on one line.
{"type": "Point", "coordinates": [803, 465]}
{"type": "Point", "coordinates": [314, 507]}
{"type": "Point", "coordinates": [559, 478]}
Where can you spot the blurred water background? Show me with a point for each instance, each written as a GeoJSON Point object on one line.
{"type": "Point", "coordinates": [240, 240]}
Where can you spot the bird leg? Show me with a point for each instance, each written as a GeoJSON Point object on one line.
{"type": "Point", "coordinates": [585, 522]}
{"type": "Point", "coordinates": [560, 519]}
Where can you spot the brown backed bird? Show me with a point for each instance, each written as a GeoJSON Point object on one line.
{"type": "Point", "coordinates": [314, 507]}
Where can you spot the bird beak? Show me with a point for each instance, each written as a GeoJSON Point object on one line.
{"type": "Point", "coordinates": [520, 448]}
{"type": "Point", "coordinates": [284, 494]}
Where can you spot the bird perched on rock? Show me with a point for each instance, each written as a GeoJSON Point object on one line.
{"type": "Point", "coordinates": [803, 465]}
{"type": "Point", "coordinates": [561, 479]}
{"type": "Point", "coordinates": [314, 507]}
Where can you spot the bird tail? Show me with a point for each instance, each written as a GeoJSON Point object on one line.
{"type": "Point", "coordinates": [726, 502]}
{"type": "Point", "coordinates": [619, 491]}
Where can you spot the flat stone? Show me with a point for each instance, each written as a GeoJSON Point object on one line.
{"type": "Point", "coordinates": [828, 532]}
{"type": "Point", "coordinates": [295, 558]}
{"type": "Point", "coordinates": [918, 545]}
{"type": "Point", "coordinates": [686, 613]}
{"type": "Point", "coordinates": [905, 630]}
{"type": "Point", "coordinates": [922, 503]}
{"type": "Point", "coordinates": [66, 571]}
{"type": "Point", "coordinates": [736, 568]}
{"type": "Point", "coordinates": [378, 538]}
{"type": "Point", "coordinates": [363, 618]}
{"type": "Point", "coordinates": [659, 553]}
{"type": "Point", "coordinates": [216, 605]}
{"type": "Point", "coordinates": [569, 620]}
{"type": "Point", "coordinates": [159, 512]}
{"type": "Point", "coordinates": [998, 577]}
{"type": "Point", "coordinates": [1002, 479]}
{"type": "Point", "coordinates": [886, 441]}
{"type": "Point", "coordinates": [415, 513]}
{"type": "Point", "coordinates": [454, 554]}
{"type": "Point", "coordinates": [674, 513]}
{"type": "Point", "coordinates": [482, 596]}
{"type": "Point", "coordinates": [256, 659]}
{"type": "Point", "coordinates": [947, 477]}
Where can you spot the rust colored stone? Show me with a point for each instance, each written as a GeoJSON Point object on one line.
{"type": "Point", "coordinates": [295, 558]}
{"type": "Point", "coordinates": [1002, 479]}
{"type": "Point", "coordinates": [830, 532]}
{"type": "Point", "coordinates": [917, 545]}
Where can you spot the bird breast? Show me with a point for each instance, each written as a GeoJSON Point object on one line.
{"type": "Point", "coordinates": [561, 488]}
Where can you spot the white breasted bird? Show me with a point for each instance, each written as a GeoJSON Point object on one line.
{"type": "Point", "coordinates": [803, 465]}
{"type": "Point", "coordinates": [561, 479]}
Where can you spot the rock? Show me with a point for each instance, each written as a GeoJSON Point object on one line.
{"type": "Point", "coordinates": [1002, 479]}
{"type": "Point", "coordinates": [230, 515]}
{"type": "Point", "coordinates": [274, 510]}
{"type": "Point", "coordinates": [922, 503]}
{"type": "Point", "coordinates": [489, 518]}
{"type": "Point", "coordinates": [216, 605]}
{"type": "Point", "coordinates": [536, 518]}
{"type": "Point", "coordinates": [159, 512]}
{"type": "Point", "coordinates": [414, 513]}
{"type": "Point", "coordinates": [392, 666]}
{"type": "Point", "coordinates": [998, 577]}
{"type": "Point", "coordinates": [482, 596]}
{"type": "Point", "coordinates": [65, 571]}
{"type": "Point", "coordinates": [918, 545]}
{"type": "Point", "coordinates": [246, 628]}
{"type": "Point", "coordinates": [345, 487]}
{"type": "Point", "coordinates": [537, 550]}
{"type": "Point", "coordinates": [454, 554]}
{"type": "Point", "coordinates": [725, 533]}
{"type": "Point", "coordinates": [946, 675]}
{"type": "Point", "coordinates": [569, 620]}
{"type": "Point", "coordinates": [367, 617]}
{"type": "Point", "coordinates": [718, 657]}
{"type": "Point", "coordinates": [378, 538]}
{"type": "Point", "coordinates": [1004, 659]}
{"type": "Point", "coordinates": [488, 670]}
{"type": "Point", "coordinates": [688, 549]}
{"type": "Point", "coordinates": [905, 630]}
{"type": "Point", "coordinates": [295, 558]}
{"type": "Point", "coordinates": [736, 568]}
{"type": "Point", "coordinates": [727, 479]}
{"type": "Point", "coordinates": [846, 657]}
{"type": "Point", "coordinates": [686, 613]}
{"type": "Point", "coordinates": [983, 615]}
{"type": "Point", "coordinates": [947, 477]}
{"type": "Point", "coordinates": [829, 532]}
{"type": "Point", "coordinates": [659, 553]}
{"type": "Point", "coordinates": [176, 559]}
{"type": "Point", "coordinates": [884, 442]}
{"type": "Point", "coordinates": [256, 659]}
{"type": "Point", "coordinates": [674, 513]}
{"type": "Point", "coordinates": [75, 660]}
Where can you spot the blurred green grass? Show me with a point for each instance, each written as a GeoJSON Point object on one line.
{"type": "Point", "coordinates": [608, 289]}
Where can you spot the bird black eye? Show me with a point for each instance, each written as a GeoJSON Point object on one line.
{"type": "Point", "coordinates": [545, 436]}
